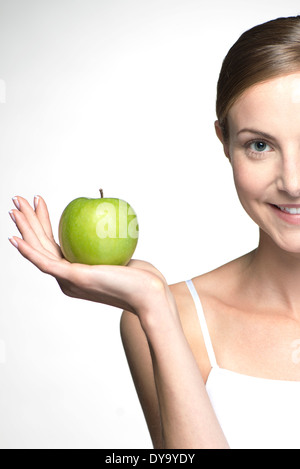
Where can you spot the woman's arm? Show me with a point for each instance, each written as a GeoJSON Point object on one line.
{"type": "Point", "coordinates": [187, 417]}
{"type": "Point", "coordinates": [170, 386]}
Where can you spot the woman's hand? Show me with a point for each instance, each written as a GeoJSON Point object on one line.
{"type": "Point", "coordinates": [136, 287]}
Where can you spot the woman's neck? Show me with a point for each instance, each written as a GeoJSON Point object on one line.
{"type": "Point", "coordinates": [273, 276]}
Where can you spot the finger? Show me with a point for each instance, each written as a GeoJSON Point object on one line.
{"type": "Point", "coordinates": [33, 221]}
{"type": "Point", "coordinates": [35, 256]}
{"type": "Point", "coordinates": [25, 208]}
{"type": "Point", "coordinates": [28, 234]}
{"type": "Point", "coordinates": [42, 214]}
{"type": "Point", "coordinates": [25, 229]}
{"type": "Point", "coordinates": [44, 262]}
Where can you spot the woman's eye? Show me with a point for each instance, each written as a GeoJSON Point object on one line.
{"type": "Point", "coordinates": [259, 146]}
{"type": "Point", "coordinates": [257, 149]}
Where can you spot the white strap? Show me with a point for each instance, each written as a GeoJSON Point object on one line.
{"type": "Point", "coordinates": [203, 324]}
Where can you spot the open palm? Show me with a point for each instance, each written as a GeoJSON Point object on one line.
{"type": "Point", "coordinates": [133, 287]}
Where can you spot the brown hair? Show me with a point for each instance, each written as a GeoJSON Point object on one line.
{"type": "Point", "coordinates": [261, 53]}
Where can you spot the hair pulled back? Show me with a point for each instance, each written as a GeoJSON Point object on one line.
{"type": "Point", "coordinates": [266, 51]}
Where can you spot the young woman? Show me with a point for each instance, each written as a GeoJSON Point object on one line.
{"type": "Point", "coordinates": [215, 360]}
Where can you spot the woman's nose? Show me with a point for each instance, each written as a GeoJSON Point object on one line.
{"type": "Point", "coordinates": [289, 180]}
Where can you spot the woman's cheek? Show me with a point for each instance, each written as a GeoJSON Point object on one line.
{"type": "Point", "coordinates": [253, 181]}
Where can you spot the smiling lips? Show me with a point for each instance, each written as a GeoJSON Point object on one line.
{"type": "Point", "coordinates": [291, 209]}
{"type": "Point", "coordinates": [290, 213]}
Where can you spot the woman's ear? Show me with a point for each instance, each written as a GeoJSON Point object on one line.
{"type": "Point", "coordinates": [220, 136]}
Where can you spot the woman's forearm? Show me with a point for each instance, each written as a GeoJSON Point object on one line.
{"type": "Point", "coordinates": [187, 417]}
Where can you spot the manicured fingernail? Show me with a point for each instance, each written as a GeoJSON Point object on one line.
{"type": "Point", "coordinates": [16, 202]}
{"type": "Point", "coordinates": [36, 201]}
{"type": "Point", "coordinates": [13, 242]}
{"type": "Point", "coordinates": [12, 216]}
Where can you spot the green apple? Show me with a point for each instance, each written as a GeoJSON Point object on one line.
{"type": "Point", "coordinates": [98, 231]}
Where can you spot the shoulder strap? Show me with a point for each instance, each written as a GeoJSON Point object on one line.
{"type": "Point", "coordinates": [203, 324]}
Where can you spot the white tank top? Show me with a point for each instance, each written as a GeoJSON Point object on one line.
{"type": "Point", "coordinates": [254, 413]}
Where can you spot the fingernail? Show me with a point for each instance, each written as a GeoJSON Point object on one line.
{"type": "Point", "coordinates": [36, 201]}
{"type": "Point", "coordinates": [12, 216]}
{"type": "Point", "coordinates": [13, 242]}
{"type": "Point", "coordinates": [16, 202]}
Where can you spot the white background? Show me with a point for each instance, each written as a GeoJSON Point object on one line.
{"type": "Point", "coordinates": [118, 94]}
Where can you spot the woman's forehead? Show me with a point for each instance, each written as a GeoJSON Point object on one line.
{"type": "Point", "coordinates": [277, 98]}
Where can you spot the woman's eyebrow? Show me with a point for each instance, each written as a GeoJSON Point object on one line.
{"type": "Point", "coordinates": [257, 132]}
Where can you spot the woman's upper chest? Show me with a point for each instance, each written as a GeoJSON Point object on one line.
{"type": "Point", "coordinates": [246, 338]}
{"type": "Point", "coordinates": [255, 343]}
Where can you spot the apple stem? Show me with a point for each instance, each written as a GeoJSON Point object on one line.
{"type": "Point", "coordinates": [101, 193]}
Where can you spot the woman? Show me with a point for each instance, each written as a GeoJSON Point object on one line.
{"type": "Point", "coordinates": [220, 372]}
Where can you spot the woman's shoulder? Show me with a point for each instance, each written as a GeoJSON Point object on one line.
{"type": "Point", "coordinates": [205, 286]}
{"type": "Point", "coordinates": [215, 290]}
{"type": "Point", "coordinates": [213, 285]}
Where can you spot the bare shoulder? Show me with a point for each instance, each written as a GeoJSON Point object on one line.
{"type": "Point", "coordinates": [215, 290]}
{"type": "Point", "coordinates": [190, 321]}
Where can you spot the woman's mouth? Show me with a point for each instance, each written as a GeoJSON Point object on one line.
{"type": "Point", "coordinates": [290, 213]}
{"type": "Point", "coordinates": [291, 210]}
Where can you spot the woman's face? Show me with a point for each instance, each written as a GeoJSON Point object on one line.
{"type": "Point", "coordinates": [264, 150]}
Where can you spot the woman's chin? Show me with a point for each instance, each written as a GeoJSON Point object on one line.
{"type": "Point", "coordinates": [288, 241]}
{"type": "Point", "coordinates": [289, 244]}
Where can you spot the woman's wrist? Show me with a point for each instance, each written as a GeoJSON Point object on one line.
{"type": "Point", "coordinates": [159, 316]}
